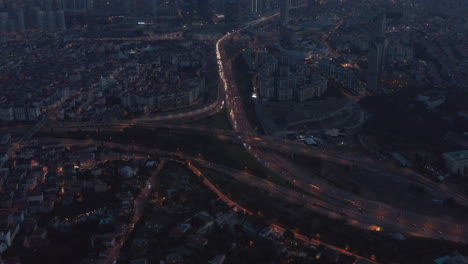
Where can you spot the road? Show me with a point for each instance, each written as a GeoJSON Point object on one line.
{"type": "Point", "coordinates": [27, 135]}
{"type": "Point", "coordinates": [276, 227]}
{"type": "Point", "coordinates": [379, 212]}
{"type": "Point", "coordinates": [376, 213]}
{"type": "Point", "coordinates": [323, 200]}
{"type": "Point", "coordinates": [140, 203]}
{"type": "Point", "coordinates": [145, 192]}
{"type": "Point", "coordinates": [404, 177]}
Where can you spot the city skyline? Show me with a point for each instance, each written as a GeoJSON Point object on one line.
{"type": "Point", "coordinates": [233, 131]}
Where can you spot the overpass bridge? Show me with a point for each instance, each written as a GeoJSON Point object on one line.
{"type": "Point", "coordinates": [285, 146]}
{"type": "Point", "coordinates": [322, 200]}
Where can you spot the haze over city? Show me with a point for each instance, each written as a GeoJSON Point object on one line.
{"type": "Point", "coordinates": [233, 131]}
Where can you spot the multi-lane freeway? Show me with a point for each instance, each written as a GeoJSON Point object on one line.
{"type": "Point", "coordinates": [140, 202]}
{"type": "Point", "coordinates": [322, 197]}
{"type": "Point", "coordinates": [142, 198]}
{"type": "Point", "coordinates": [382, 213]}
{"type": "Point", "coordinates": [360, 212]}
{"type": "Point", "coordinates": [276, 227]}
{"type": "Point", "coordinates": [324, 200]}
{"type": "Point", "coordinates": [380, 169]}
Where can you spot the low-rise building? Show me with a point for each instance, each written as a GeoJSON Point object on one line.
{"type": "Point", "coordinates": [457, 162]}
{"type": "Point", "coordinates": [6, 113]}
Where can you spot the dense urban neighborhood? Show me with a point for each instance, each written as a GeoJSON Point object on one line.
{"type": "Point", "coordinates": [233, 131]}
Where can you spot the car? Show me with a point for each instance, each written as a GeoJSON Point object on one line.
{"type": "Point", "coordinates": [314, 186]}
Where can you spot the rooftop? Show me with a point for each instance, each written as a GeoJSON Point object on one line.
{"type": "Point", "coordinates": [457, 155]}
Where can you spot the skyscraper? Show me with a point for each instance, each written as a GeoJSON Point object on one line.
{"type": "Point", "coordinates": [11, 25]}
{"type": "Point", "coordinates": [75, 5]}
{"type": "Point", "coordinates": [378, 26]}
{"type": "Point", "coordinates": [50, 20]}
{"type": "Point", "coordinates": [288, 37]}
{"type": "Point", "coordinates": [284, 11]}
{"type": "Point", "coordinates": [154, 7]}
{"type": "Point", "coordinates": [3, 22]}
{"type": "Point", "coordinates": [41, 20]}
{"type": "Point", "coordinates": [60, 16]}
{"type": "Point", "coordinates": [312, 6]}
{"type": "Point", "coordinates": [89, 5]}
{"type": "Point", "coordinates": [231, 10]}
{"type": "Point", "coordinates": [20, 21]}
{"type": "Point", "coordinates": [376, 53]}
{"type": "Point", "coordinates": [257, 6]}
{"type": "Point", "coordinates": [219, 6]}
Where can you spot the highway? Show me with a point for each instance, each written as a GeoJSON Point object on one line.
{"type": "Point", "coordinates": [141, 199]}
{"type": "Point", "coordinates": [357, 210]}
{"type": "Point", "coordinates": [323, 200]}
{"type": "Point", "coordinates": [330, 200]}
{"type": "Point", "coordinates": [140, 202]}
{"type": "Point", "coordinates": [321, 197]}
{"type": "Point", "coordinates": [276, 227]}
{"type": "Point", "coordinates": [404, 176]}
{"type": "Point", "coordinates": [378, 213]}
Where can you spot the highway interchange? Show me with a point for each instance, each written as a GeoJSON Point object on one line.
{"type": "Point", "coordinates": [359, 211]}
{"type": "Point", "coordinates": [284, 193]}
{"type": "Point", "coordinates": [376, 213]}
{"type": "Point", "coordinates": [321, 197]}
{"type": "Point", "coordinates": [322, 201]}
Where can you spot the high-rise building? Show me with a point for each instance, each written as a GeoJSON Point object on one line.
{"type": "Point", "coordinates": [140, 7]}
{"type": "Point", "coordinates": [60, 16]}
{"type": "Point", "coordinates": [284, 11]}
{"type": "Point", "coordinates": [20, 21]}
{"type": "Point", "coordinates": [312, 6]}
{"type": "Point", "coordinates": [40, 20]}
{"type": "Point", "coordinates": [231, 10]}
{"type": "Point", "coordinates": [46, 5]}
{"type": "Point", "coordinates": [204, 9]}
{"type": "Point", "coordinates": [378, 26]}
{"type": "Point", "coordinates": [50, 20]}
{"type": "Point", "coordinates": [11, 25]}
{"type": "Point", "coordinates": [375, 65]}
{"type": "Point", "coordinates": [446, 6]}
{"type": "Point", "coordinates": [3, 22]}
{"type": "Point", "coordinates": [376, 53]}
{"type": "Point", "coordinates": [398, 52]}
{"type": "Point", "coordinates": [219, 6]}
{"type": "Point", "coordinates": [58, 4]}
{"type": "Point", "coordinates": [288, 37]}
{"type": "Point", "coordinates": [153, 7]}
{"type": "Point", "coordinates": [257, 6]}
{"type": "Point", "coordinates": [75, 5]}
{"type": "Point", "coordinates": [90, 5]}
